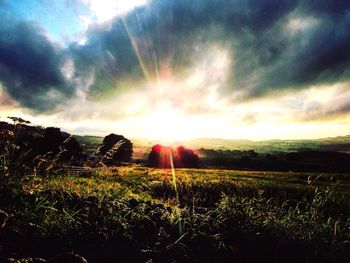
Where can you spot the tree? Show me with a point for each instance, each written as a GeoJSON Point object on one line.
{"type": "Point", "coordinates": [115, 149]}
{"type": "Point", "coordinates": [153, 157]}
{"type": "Point", "coordinates": [161, 157]}
{"type": "Point", "coordinates": [187, 158]}
{"type": "Point", "coordinates": [72, 147]}
{"type": "Point", "coordinates": [53, 141]}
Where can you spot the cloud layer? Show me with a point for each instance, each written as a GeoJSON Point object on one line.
{"type": "Point", "coordinates": [272, 46]}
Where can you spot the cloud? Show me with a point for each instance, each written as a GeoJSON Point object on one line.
{"type": "Point", "coordinates": [317, 112]}
{"type": "Point", "coordinates": [271, 46]}
{"type": "Point", "coordinates": [167, 39]}
{"type": "Point", "coordinates": [105, 10]}
{"type": "Point", "coordinates": [317, 55]}
{"type": "Point", "coordinates": [275, 45]}
{"type": "Point", "coordinates": [5, 101]}
{"type": "Point", "coordinates": [331, 103]}
{"type": "Point", "coordinates": [30, 66]}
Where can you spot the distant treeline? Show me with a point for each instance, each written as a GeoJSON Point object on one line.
{"type": "Point", "coordinates": [36, 143]}
{"type": "Point", "coordinates": [300, 161]}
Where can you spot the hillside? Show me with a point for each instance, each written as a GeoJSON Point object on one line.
{"type": "Point", "coordinates": [268, 146]}
{"type": "Point", "coordinates": [340, 143]}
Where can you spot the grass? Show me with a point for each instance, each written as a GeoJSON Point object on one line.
{"type": "Point", "coordinates": [132, 214]}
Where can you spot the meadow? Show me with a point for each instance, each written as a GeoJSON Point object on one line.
{"type": "Point", "coordinates": [134, 213]}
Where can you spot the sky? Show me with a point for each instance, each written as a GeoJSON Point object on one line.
{"type": "Point", "coordinates": [178, 69]}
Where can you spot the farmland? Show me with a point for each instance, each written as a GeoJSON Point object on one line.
{"type": "Point", "coordinates": [138, 214]}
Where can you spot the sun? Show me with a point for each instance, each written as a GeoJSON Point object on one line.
{"type": "Point", "coordinates": [166, 124]}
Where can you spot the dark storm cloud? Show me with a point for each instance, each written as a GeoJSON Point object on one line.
{"type": "Point", "coordinates": [268, 55]}
{"type": "Point", "coordinates": [318, 55]}
{"type": "Point", "coordinates": [30, 66]}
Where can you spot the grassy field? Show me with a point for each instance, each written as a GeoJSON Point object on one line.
{"type": "Point", "coordinates": [140, 214]}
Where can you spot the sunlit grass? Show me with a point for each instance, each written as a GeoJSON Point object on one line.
{"type": "Point", "coordinates": [225, 212]}
{"type": "Point", "coordinates": [197, 184]}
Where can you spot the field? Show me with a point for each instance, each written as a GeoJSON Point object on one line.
{"type": "Point", "coordinates": [140, 214]}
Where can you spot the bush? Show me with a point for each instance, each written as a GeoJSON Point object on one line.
{"type": "Point", "coordinates": [115, 149]}
{"type": "Point", "coordinates": [166, 157]}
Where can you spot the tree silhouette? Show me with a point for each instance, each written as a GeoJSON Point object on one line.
{"type": "Point", "coordinates": [161, 156]}
{"type": "Point", "coordinates": [187, 158]}
{"type": "Point", "coordinates": [116, 148]}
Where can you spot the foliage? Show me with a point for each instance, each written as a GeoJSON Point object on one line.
{"type": "Point", "coordinates": [12, 159]}
{"type": "Point", "coordinates": [27, 150]}
{"type": "Point", "coordinates": [115, 149]}
{"type": "Point", "coordinates": [303, 161]}
{"type": "Point", "coordinates": [166, 157]}
{"type": "Point", "coordinates": [222, 216]}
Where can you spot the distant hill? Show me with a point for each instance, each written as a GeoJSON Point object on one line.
{"type": "Point", "coordinates": [87, 139]}
{"type": "Point", "coordinates": [258, 146]}
{"type": "Point", "coordinates": [340, 144]}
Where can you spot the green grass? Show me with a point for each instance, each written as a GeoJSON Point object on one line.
{"type": "Point", "coordinates": [222, 215]}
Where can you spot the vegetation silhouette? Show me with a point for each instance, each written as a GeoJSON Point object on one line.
{"type": "Point", "coordinates": [162, 156]}
{"type": "Point", "coordinates": [115, 149]}
{"type": "Point", "coordinates": [35, 141]}
{"type": "Point", "coordinates": [298, 161]}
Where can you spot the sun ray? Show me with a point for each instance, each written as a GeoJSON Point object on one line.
{"type": "Point", "coordinates": [136, 49]}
